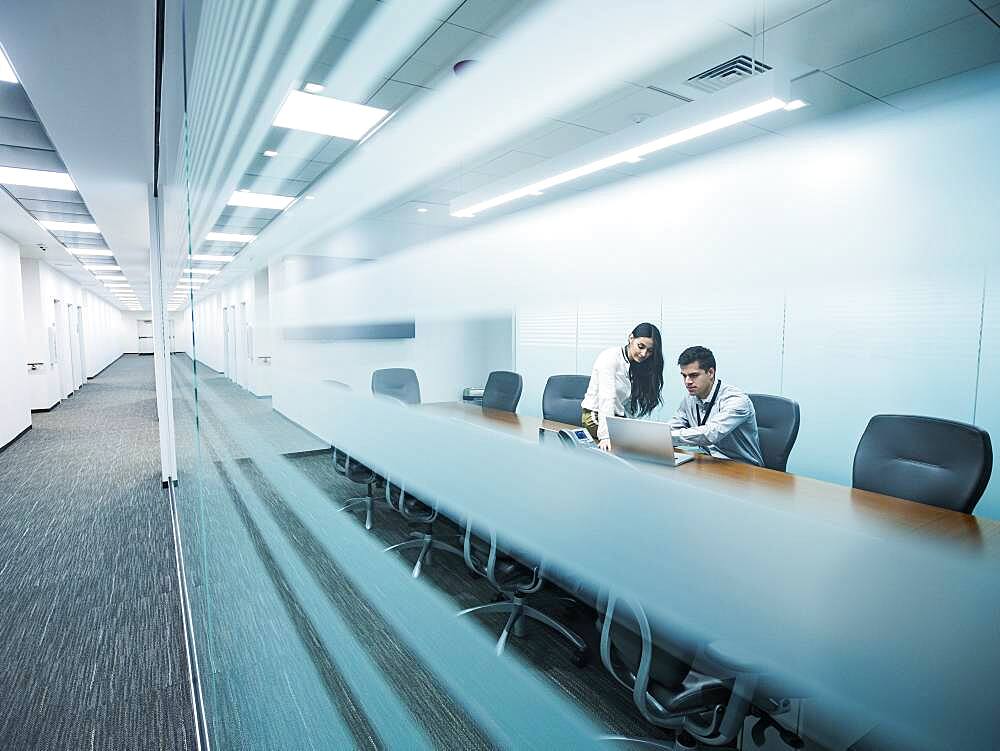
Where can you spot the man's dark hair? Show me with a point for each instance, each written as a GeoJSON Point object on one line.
{"type": "Point", "coordinates": [701, 355]}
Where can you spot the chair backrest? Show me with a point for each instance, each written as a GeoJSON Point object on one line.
{"type": "Point", "coordinates": [503, 391]}
{"type": "Point", "coordinates": [777, 428]}
{"type": "Point", "coordinates": [941, 463]}
{"type": "Point", "coordinates": [399, 383]}
{"type": "Point", "coordinates": [562, 396]}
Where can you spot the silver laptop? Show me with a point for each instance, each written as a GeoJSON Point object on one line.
{"type": "Point", "coordinates": [644, 439]}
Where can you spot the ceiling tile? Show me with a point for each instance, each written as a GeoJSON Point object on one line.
{"type": "Point", "coordinates": [417, 72]}
{"type": "Point", "coordinates": [564, 138]}
{"type": "Point", "coordinates": [776, 12]}
{"type": "Point", "coordinates": [509, 163]}
{"type": "Point", "coordinates": [842, 30]}
{"type": "Point", "coordinates": [328, 57]}
{"type": "Point", "coordinates": [445, 45]}
{"type": "Point", "coordinates": [484, 15]}
{"type": "Point", "coordinates": [311, 170]}
{"type": "Point", "coordinates": [969, 43]}
{"type": "Point", "coordinates": [240, 224]}
{"type": "Point", "coordinates": [437, 195]}
{"type": "Point", "coordinates": [43, 194]}
{"type": "Point", "coordinates": [824, 94]}
{"type": "Point", "coordinates": [25, 133]}
{"type": "Point", "coordinates": [246, 213]}
{"type": "Point", "coordinates": [272, 186]}
{"type": "Point", "coordinates": [333, 150]}
{"type": "Point", "coordinates": [617, 115]}
{"type": "Point", "coordinates": [38, 159]}
{"type": "Point", "coordinates": [355, 18]}
{"type": "Point", "coordinates": [466, 181]}
{"type": "Point", "coordinates": [66, 207]}
{"type": "Point", "coordinates": [970, 83]}
{"type": "Point", "coordinates": [279, 167]}
{"type": "Point", "coordinates": [296, 144]}
{"type": "Point", "coordinates": [61, 216]}
{"type": "Point", "coordinates": [14, 103]}
{"type": "Point", "coordinates": [392, 94]}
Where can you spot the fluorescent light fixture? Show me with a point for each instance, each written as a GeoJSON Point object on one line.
{"type": "Point", "coordinates": [220, 259]}
{"type": "Point", "coordinates": [314, 88]}
{"type": "Point", "coordinates": [310, 198]}
{"type": "Point", "coordinates": [36, 178]}
{"type": "Point", "coordinates": [327, 116]}
{"type": "Point", "coordinates": [795, 104]}
{"type": "Point", "coordinates": [91, 252]}
{"type": "Point", "coordinates": [230, 237]}
{"type": "Point", "coordinates": [259, 200]}
{"type": "Point", "coordinates": [6, 71]}
{"type": "Point", "coordinates": [421, 210]}
{"type": "Point", "coordinates": [270, 153]}
{"type": "Point", "coordinates": [110, 278]}
{"type": "Point", "coordinates": [70, 226]}
{"type": "Point", "coordinates": [750, 99]}
{"type": "Point", "coordinates": [207, 272]}
{"type": "Point", "coordinates": [101, 267]}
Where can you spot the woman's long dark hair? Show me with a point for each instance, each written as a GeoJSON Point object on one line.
{"type": "Point", "coordinates": [647, 376]}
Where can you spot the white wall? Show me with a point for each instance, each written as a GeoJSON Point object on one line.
{"type": "Point", "coordinates": [51, 337]}
{"type": "Point", "coordinates": [15, 414]}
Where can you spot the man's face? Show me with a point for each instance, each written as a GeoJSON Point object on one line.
{"type": "Point", "coordinates": [698, 382]}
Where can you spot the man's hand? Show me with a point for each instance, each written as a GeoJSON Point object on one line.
{"type": "Point", "coordinates": [605, 445]}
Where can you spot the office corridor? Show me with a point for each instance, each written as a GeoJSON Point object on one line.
{"type": "Point", "coordinates": [91, 639]}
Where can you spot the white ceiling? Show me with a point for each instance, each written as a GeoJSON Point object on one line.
{"type": "Point", "coordinates": [90, 78]}
{"type": "Point", "coordinates": [88, 69]}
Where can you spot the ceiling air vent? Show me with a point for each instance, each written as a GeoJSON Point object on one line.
{"type": "Point", "coordinates": [727, 73]}
{"type": "Point", "coordinates": [674, 94]}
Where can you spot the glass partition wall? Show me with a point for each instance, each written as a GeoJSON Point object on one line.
{"type": "Point", "coordinates": [402, 241]}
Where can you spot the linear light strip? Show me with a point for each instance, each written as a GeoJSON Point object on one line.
{"type": "Point", "coordinates": [631, 155]}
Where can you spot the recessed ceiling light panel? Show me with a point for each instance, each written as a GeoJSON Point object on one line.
{"type": "Point", "coordinates": [327, 116]}
{"type": "Point", "coordinates": [36, 178]}
{"type": "Point", "coordinates": [259, 200]}
{"type": "Point", "coordinates": [83, 227]}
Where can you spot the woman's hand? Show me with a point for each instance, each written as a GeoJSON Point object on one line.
{"type": "Point", "coordinates": [605, 445]}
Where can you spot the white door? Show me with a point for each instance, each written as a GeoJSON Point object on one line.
{"type": "Point", "coordinates": [73, 326]}
{"type": "Point", "coordinates": [228, 367]}
{"type": "Point", "coordinates": [234, 373]}
{"type": "Point", "coordinates": [145, 334]}
{"type": "Point", "coordinates": [83, 350]}
{"type": "Point", "coordinates": [63, 362]}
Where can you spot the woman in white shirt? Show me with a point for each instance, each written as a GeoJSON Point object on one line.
{"type": "Point", "coordinates": [625, 381]}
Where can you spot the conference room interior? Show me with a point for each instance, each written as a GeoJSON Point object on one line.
{"type": "Point", "coordinates": [370, 348]}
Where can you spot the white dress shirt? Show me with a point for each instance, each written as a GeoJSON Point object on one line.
{"type": "Point", "coordinates": [609, 388]}
{"type": "Point", "coordinates": [729, 430]}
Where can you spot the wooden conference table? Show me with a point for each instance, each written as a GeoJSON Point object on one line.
{"type": "Point", "coordinates": [835, 504]}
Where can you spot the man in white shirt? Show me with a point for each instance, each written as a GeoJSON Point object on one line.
{"type": "Point", "coordinates": [714, 416]}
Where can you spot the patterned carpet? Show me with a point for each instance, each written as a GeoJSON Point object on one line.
{"type": "Point", "coordinates": [91, 641]}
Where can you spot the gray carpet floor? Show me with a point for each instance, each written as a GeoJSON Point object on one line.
{"type": "Point", "coordinates": [91, 639]}
{"type": "Point", "coordinates": [251, 627]}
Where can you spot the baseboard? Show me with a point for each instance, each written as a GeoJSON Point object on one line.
{"type": "Point", "coordinates": [12, 440]}
{"type": "Point", "coordinates": [144, 354]}
{"type": "Point", "coordinates": [106, 366]}
{"type": "Point", "coordinates": [47, 409]}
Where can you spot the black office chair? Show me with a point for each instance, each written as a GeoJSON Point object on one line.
{"type": "Point", "coordinates": [399, 383]}
{"type": "Point", "coordinates": [777, 428]}
{"type": "Point", "coordinates": [503, 391]}
{"type": "Point", "coordinates": [562, 397]}
{"type": "Point", "coordinates": [708, 704]}
{"type": "Point", "coordinates": [938, 462]}
{"type": "Point", "coordinates": [354, 471]}
{"type": "Point", "coordinates": [515, 579]}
